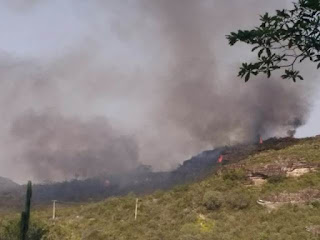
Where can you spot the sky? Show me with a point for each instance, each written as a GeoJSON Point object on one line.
{"type": "Point", "coordinates": [69, 66]}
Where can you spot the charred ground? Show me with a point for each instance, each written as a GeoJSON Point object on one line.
{"type": "Point", "coordinates": [140, 181]}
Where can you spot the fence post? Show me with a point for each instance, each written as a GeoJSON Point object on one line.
{"type": "Point", "coordinates": [136, 210]}
{"type": "Point", "coordinates": [54, 209]}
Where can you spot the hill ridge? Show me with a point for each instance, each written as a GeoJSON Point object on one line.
{"type": "Point", "coordinates": [226, 204]}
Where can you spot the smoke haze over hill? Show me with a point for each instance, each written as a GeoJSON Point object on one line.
{"type": "Point", "coordinates": [101, 86]}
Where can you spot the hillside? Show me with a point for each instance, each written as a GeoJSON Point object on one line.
{"type": "Point", "coordinates": [10, 194]}
{"type": "Point", "coordinates": [268, 191]}
{"type": "Point", "coordinates": [141, 180]}
{"type": "Point", "coordinates": [7, 184]}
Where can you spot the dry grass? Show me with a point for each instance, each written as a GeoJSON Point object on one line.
{"type": "Point", "coordinates": [183, 214]}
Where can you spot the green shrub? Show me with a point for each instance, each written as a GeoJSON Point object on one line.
{"type": "Point", "coordinates": [213, 200]}
{"type": "Point", "coordinates": [10, 230]}
{"type": "Point", "coordinates": [276, 179]}
{"type": "Point", "coordinates": [192, 231]}
{"type": "Point", "coordinates": [315, 203]}
{"type": "Point", "coordinates": [234, 175]}
{"type": "Point", "coordinates": [95, 235]}
{"type": "Point", "coordinates": [238, 200]}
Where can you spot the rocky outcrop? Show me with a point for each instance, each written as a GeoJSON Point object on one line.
{"type": "Point", "coordinates": [314, 230]}
{"type": "Point", "coordinates": [306, 195]}
{"type": "Point", "coordinates": [289, 169]}
{"type": "Point", "coordinates": [258, 181]}
{"type": "Point", "coordinates": [270, 205]}
{"type": "Point", "coordinates": [301, 197]}
{"type": "Point", "coordinates": [297, 172]}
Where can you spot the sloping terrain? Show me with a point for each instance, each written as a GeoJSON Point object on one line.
{"type": "Point", "coordinates": [10, 194]}
{"type": "Point", "coordinates": [267, 191]}
{"type": "Point", "coordinates": [7, 184]}
{"type": "Point", "coordinates": [140, 181]}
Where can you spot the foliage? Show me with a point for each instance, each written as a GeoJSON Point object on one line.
{"type": "Point", "coordinates": [10, 230]}
{"type": "Point", "coordinates": [315, 203]}
{"type": "Point", "coordinates": [276, 179]}
{"type": "Point", "coordinates": [25, 215]}
{"type": "Point", "coordinates": [213, 200]}
{"type": "Point", "coordinates": [181, 213]}
{"type": "Point", "coordinates": [234, 175]}
{"type": "Point", "coordinates": [14, 229]}
{"type": "Point", "coordinates": [282, 40]}
{"type": "Point", "coordinates": [238, 199]}
{"type": "Point", "coordinates": [95, 235]}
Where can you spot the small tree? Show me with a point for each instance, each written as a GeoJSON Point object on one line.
{"type": "Point", "coordinates": [213, 200]}
{"type": "Point", "coordinates": [25, 215]}
{"type": "Point", "coordinates": [238, 199]}
{"type": "Point", "coordinates": [282, 40]}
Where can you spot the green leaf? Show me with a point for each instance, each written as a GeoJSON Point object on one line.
{"type": "Point", "coordinates": [247, 77]}
{"type": "Point", "coordinates": [255, 48]}
{"type": "Point", "coordinates": [260, 52]}
{"type": "Point", "coordinates": [290, 36]}
{"type": "Point", "coordinates": [268, 52]}
{"type": "Point", "coordinates": [300, 77]}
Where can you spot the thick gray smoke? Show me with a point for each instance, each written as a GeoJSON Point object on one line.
{"type": "Point", "coordinates": [203, 99]}
{"type": "Point", "coordinates": [159, 72]}
{"type": "Point", "coordinates": [56, 147]}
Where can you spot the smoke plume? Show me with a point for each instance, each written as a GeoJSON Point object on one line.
{"type": "Point", "coordinates": [57, 147]}
{"type": "Point", "coordinates": [150, 82]}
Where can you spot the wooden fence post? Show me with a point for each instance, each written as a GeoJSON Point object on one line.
{"type": "Point", "coordinates": [136, 210]}
{"type": "Point", "coordinates": [54, 209]}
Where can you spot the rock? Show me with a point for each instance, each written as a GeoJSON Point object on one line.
{"type": "Point", "coordinates": [270, 205]}
{"type": "Point", "coordinates": [258, 181]}
{"type": "Point", "coordinates": [289, 169]}
{"type": "Point", "coordinates": [299, 172]}
{"type": "Point", "coordinates": [314, 230]}
{"type": "Point", "coordinates": [301, 197]}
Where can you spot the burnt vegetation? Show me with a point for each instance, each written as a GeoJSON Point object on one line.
{"type": "Point", "coordinates": [141, 180]}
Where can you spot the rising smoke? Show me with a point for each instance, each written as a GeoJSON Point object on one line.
{"type": "Point", "coordinates": [161, 75]}
{"type": "Point", "coordinates": [55, 146]}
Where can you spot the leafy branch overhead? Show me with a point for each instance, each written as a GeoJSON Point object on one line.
{"type": "Point", "coordinates": [283, 40]}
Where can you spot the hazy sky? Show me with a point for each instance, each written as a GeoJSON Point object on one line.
{"type": "Point", "coordinates": [72, 61]}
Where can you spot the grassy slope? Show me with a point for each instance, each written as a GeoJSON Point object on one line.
{"type": "Point", "coordinates": [181, 214]}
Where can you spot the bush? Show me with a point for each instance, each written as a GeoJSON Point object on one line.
{"type": "Point", "coordinates": [213, 200]}
{"type": "Point", "coordinates": [238, 200]}
{"type": "Point", "coordinates": [10, 230]}
{"type": "Point", "coordinates": [191, 231]}
{"type": "Point", "coordinates": [95, 235]}
{"type": "Point", "coordinates": [276, 179]}
{"type": "Point", "coordinates": [315, 204]}
{"type": "Point", "coordinates": [234, 175]}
